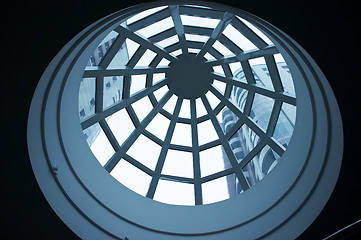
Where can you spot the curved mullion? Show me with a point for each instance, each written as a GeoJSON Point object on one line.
{"type": "Point", "coordinates": [164, 150]}
{"type": "Point", "coordinates": [257, 89]}
{"type": "Point", "coordinates": [136, 57]}
{"type": "Point", "coordinates": [226, 146]}
{"type": "Point", "coordinates": [274, 74]}
{"type": "Point", "coordinates": [98, 116]}
{"type": "Point", "coordinates": [163, 35]}
{"type": "Point", "coordinates": [277, 106]}
{"type": "Point", "coordinates": [179, 28]}
{"type": "Point", "coordinates": [198, 30]}
{"type": "Point", "coordinates": [133, 116]}
{"type": "Point", "coordinates": [109, 134]}
{"type": "Point", "coordinates": [152, 137]}
{"type": "Point", "coordinates": [113, 50]}
{"type": "Point", "coordinates": [148, 20]}
{"type": "Point", "coordinates": [124, 71]}
{"type": "Point", "coordinates": [113, 161]}
{"type": "Point", "coordinates": [243, 56]}
{"type": "Point", "coordinates": [226, 19]}
{"type": "Point", "coordinates": [195, 153]}
{"type": "Point", "coordinates": [275, 145]}
{"type": "Point", "coordinates": [216, 175]}
{"type": "Point", "coordinates": [144, 42]}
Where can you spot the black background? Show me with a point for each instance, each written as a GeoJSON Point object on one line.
{"type": "Point", "coordinates": [35, 31]}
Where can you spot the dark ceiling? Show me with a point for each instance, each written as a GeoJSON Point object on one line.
{"type": "Point", "coordinates": [36, 31]}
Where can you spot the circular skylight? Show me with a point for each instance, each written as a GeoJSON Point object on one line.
{"type": "Point", "coordinates": [187, 105]}
{"type": "Point", "coordinates": [169, 121]}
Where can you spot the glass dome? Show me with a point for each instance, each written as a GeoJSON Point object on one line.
{"type": "Point", "coordinates": [187, 105]}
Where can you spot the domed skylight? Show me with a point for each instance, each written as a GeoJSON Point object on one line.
{"type": "Point", "coordinates": [187, 105]}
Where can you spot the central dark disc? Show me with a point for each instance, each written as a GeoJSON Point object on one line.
{"type": "Point", "coordinates": [189, 77]}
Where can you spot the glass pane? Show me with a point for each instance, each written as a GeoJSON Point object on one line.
{"type": "Point", "coordinates": [201, 110]}
{"type": "Point", "coordinates": [218, 69]}
{"type": "Point", "coordinates": [185, 111]}
{"type": "Point", "coordinates": [145, 151]}
{"type": "Point", "coordinates": [131, 177]}
{"type": "Point", "coordinates": [137, 83]}
{"type": "Point", "coordinates": [257, 31]}
{"type": "Point", "coordinates": [157, 27]}
{"type": "Point", "coordinates": [213, 160]}
{"type": "Point", "coordinates": [243, 141]}
{"type": "Point", "coordinates": [112, 90]}
{"type": "Point", "coordinates": [132, 47]}
{"type": "Point", "coordinates": [91, 133]}
{"type": "Point", "coordinates": [168, 41]}
{"type": "Point", "coordinates": [235, 36]}
{"type": "Point", "coordinates": [285, 124]}
{"type": "Point", "coordinates": [260, 72]}
{"type": "Point", "coordinates": [228, 119]}
{"type": "Point", "coordinates": [206, 132]}
{"type": "Point", "coordinates": [262, 110]}
{"type": "Point", "coordinates": [142, 108]}
{"type": "Point", "coordinates": [101, 147]}
{"type": "Point", "coordinates": [212, 99]}
{"type": "Point", "coordinates": [222, 49]}
{"type": "Point", "coordinates": [170, 105]}
{"type": "Point", "coordinates": [221, 86]}
{"type": "Point", "coordinates": [164, 62]}
{"type": "Point", "coordinates": [182, 134]}
{"type": "Point", "coordinates": [285, 75]}
{"type": "Point", "coordinates": [158, 77]}
{"type": "Point", "coordinates": [159, 126]}
{"type": "Point", "coordinates": [239, 97]}
{"type": "Point", "coordinates": [178, 163]}
{"type": "Point", "coordinates": [121, 58]}
{"type": "Point", "coordinates": [121, 125]}
{"type": "Point", "coordinates": [86, 98]}
{"type": "Point", "coordinates": [144, 14]}
{"type": "Point", "coordinates": [193, 50]}
{"type": "Point", "coordinates": [160, 92]}
{"type": "Point", "coordinates": [199, 21]}
{"type": "Point", "coordinates": [102, 49]}
{"type": "Point", "coordinates": [175, 193]}
{"type": "Point", "coordinates": [215, 190]}
{"type": "Point", "coordinates": [236, 69]}
{"type": "Point", "coordinates": [208, 56]}
{"type": "Point", "coordinates": [147, 58]}
{"type": "Point", "coordinates": [196, 38]}
{"type": "Point", "coordinates": [177, 52]}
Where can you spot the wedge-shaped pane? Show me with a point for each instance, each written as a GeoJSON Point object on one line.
{"type": "Point", "coordinates": [157, 27]}
{"type": "Point", "coordinates": [262, 110]}
{"type": "Point", "coordinates": [236, 69]}
{"type": "Point", "coordinates": [157, 77]}
{"type": "Point", "coordinates": [122, 57]}
{"type": "Point", "coordinates": [201, 110]}
{"type": "Point", "coordinates": [164, 62]}
{"type": "Point", "coordinates": [206, 132]}
{"type": "Point", "coordinates": [121, 125]}
{"type": "Point", "coordinates": [137, 83]}
{"type": "Point", "coordinates": [196, 38]}
{"type": "Point", "coordinates": [147, 58]}
{"type": "Point", "coordinates": [238, 38]}
{"type": "Point", "coordinates": [169, 106]}
{"type": "Point", "coordinates": [182, 134]}
{"type": "Point", "coordinates": [193, 50]}
{"type": "Point", "coordinates": [209, 57]}
{"type": "Point", "coordinates": [213, 100]}
{"type": "Point", "coordinates": [131, 47]}
{"type": "Point", "coordinates": [212, 160]}
{"type": "Point", "coordinates": [86, 97]}
{"type": "Point", "coordinates": [285, 75]}
{"type": "Point", "coordinates": [177, 52]}
{"type": "Point", "coordinates": [260, 72]}
{"type": "Point", "coordinates": [102, 49]}
{"type": "Point", "coordinates": [168, 41]}
{"type": "Point", "coordinates": [175, 193]}
{"type": "Point", "coordinates": [222, 49]}
{"type": "Point", "coordinates": [185, 111]}
{"type": "Point", "coordinates": [160, 92]}
{"type": "Point", "coordinates": [144, 14]}
{"type": "Point", "coordinates": [101, 147]}
{"type": "Point", "coordinates": [178, 163]}
{"type": "Point", "coordinates": [215, 190]}
{"type": "Point", "coordinates": [142, 107]}
{"type": "Point", "coordinates": [159, 126]}
{"type": "Point", "coordinates": [91, 133]}
{"type": "Point", "coordinates": [285, 124]}
{"type": "Point", "coordinates": [131, 177]}
{"type": "Point", "coordinates": [257, 31]}
{"type": "Point", "coordinates": [112, 90]}
{"type": "Point", "coordinates": [199, 21]}
{"type": "Point", "coordinates": [218, 69]}
{"type": "Point", "coordinates": [145, 151]}
{"type": "Point", "coordinates": [221, 86]}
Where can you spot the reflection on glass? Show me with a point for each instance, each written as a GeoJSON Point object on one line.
{"type": "Point", "coordinates": [176, 193]}
{"type": "Point", "coordinates": [102, 49]}
{"type": "Point", "coordinates": [86, 97]}
{"type": "Point", "coordinates": [261, 110]}
{"type": "Point", "coordinates": [131, 177]}
{"type": "Point", "coordinates": [112, 90]}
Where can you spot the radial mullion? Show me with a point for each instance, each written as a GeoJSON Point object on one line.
{"type": "Point", "coordinates": [209, 145]}
{"type": "Point", "coordinates": [109, 134]}
{"type": "Point", "coordinates": [114, 48]}
{"type": "Point", "coordinates": [136, 57]}
{"type": "Point", "coordinates": [228, 73]}
{"type": "Point", "coordinates": [244, 56]}
{"type": "Point", "coordinates": [277, 106]}
{"type": "Point", "coordinates": [146, 21]}
{"type": "Point", "coordinates": [144, 42]}
{"type": "Point", "coordinates": [137, 164]}
{"type": "Point", "coordinates": [275, 76]}
{"type": "Point", "coordinates": [164, 150]}
{"type": "Point", "coordinates": [125, 71]}
{"type": "Point", "coordinates": [276, 146]}
{"type": "Point", "coordinates": [226, 146]}
{"type": "Point", "coordinates": [195, 152]}
{"type": "Point", "coordinates": [173, 47]}
{"type": "Point", "coordinates": [252, 154]}
{"type": "Point", "coordinates": [226, 19]}
{"type": "Point", "coordinates": [133, 116]}
{"type": "Point", "coordinates": [179, 28]}
{"type": "Point", "coordinates": [257, 89]}
{"type": "Point", "coordinates": [249, 102]}
{"type": "Point", "coordinates": [113, 161]}
{"type": "Point", "coordinates": [126, 87]}
{"type": "Point", "coordinates": [248, 33]}
{"type": "Point", "coordinates": [220, 174]}
{"type": "Point", "coordinates": [99, 88]}
{"type": "Point", "coordinates": [248, 73]}
{"type": "Point", "coordinates": [230, 45]}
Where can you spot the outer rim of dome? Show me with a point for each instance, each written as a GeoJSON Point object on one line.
{"type": "Point", "coordinates": [94, 212]}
